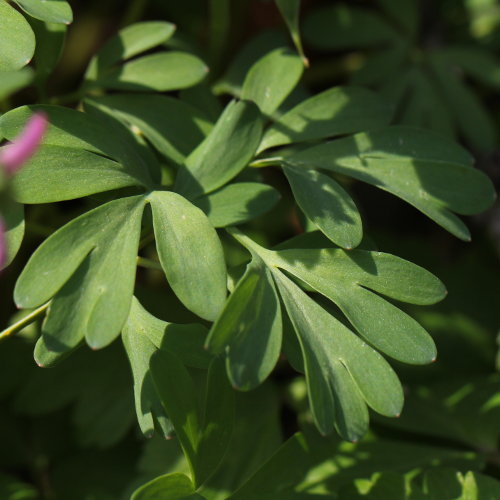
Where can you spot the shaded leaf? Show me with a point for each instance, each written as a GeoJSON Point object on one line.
{"type": "Point", "coordinates": [337, 111]}
{"type": "Point", "coordinates": [237, 203]}
{"type": "Point", "coordinates": [327, 205]}
{"type": "Point", "coordinates": [12, 81]}
{"type": "Point", "coordinates": [13, 216]}
{"type": "Point", "coordinates": [290, 10]}
{"type": "Point", "coordinates": [168, 487]}
{"type": "Point", "coordinates": [429, 172]}
{"type": "Point", "coordinates": [249, 329]}
{"type": "Point", "coordinates": [204, 436]}
{"type": "Point", "coordinates": [343, 26]}
{"type": "Point", "coordinates": [224, 153]}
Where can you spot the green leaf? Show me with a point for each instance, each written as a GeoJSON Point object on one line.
{"type": "Point", "coordinates": [472, 118]}
{"type": "Point", "coordinates": [290, 10]}
{"type": "Point", "coordinates": [404, 12]}
{"type": "Point", "coordinates": [50, 11]}
{"type": "Point", "coordinates": [249, 329]}
{"type": "Point", "coordinates": [477, 63]}
{"type": "Point", "coordinates": [162, 72]}
{"type": "Point", "coordinates": [17, 40]}
{"type": "Point", "coordinates": [346, 278]}
{"type": "Point", "coordinates": [168, 487]}
{"type": "Point", "coordinates": [58, 173]}
{"type": "Point", "coordinates": [79, 156]}
{"type": "Point", "coordinates": [327, 205]}
{"type": "Point", "coordinates": [12, 488]}
{"type": "Point", "coordinates": [13, 216]}
{"type": "Point", "coordinates": [204, 436]}
{"type": "Point", "coordinates": [345, 27]}
{"type": "Point", "coordinates": [271, 79]}
{"type": "Point", "coordinates": [172, 126]}
{"type": "Point", "coordinates": [190, 253]}
{"type": "Point", "coordinates": [88, 266]}
{"type": "Point", "coordinates": [424, 169]}
{"type": "Point", "coordinates": [143, 335]}
{"type": "Point", "coordinates": [257, 47]}
{"type": "Point", "coordinates": [224, 153]}
{"type": "Point", "coordinates": [337, 111]}
{"type": "Point", "coordinates": [50, 38]}
{"type": "Point", "coordinates": [129, 42]}
{"type": "Point", "coordinates": [237, 203]}
{"type": "Point", "coordinates": [342, 371]}
{"type": "Point", "coordinates": [12, 81]}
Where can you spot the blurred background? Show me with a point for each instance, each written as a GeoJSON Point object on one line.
{"type": "Point", "coordinates": [437, 64]}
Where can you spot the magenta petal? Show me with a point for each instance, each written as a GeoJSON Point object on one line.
{"type": "Point", "coordinates": [17, 153]}
{"type": "Point", "coordinates": [3, 244]}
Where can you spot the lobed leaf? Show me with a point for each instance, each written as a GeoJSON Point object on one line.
{"type": "Point", "coordinates": [249, 329]}
{"type": "Point", "coordinates": [429, 172]}
{"type": "Point", "coordinates": [342, 372]}
{"type": "Point", "coordinates": [88, 267]}
{"type": "Point", "coordinates": [190, 253]}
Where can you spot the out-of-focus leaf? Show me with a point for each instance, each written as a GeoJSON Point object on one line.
{"type": "Point", "coordinates": [172, 126]}
{"type": "Point", "coordinates": [404, 12]}
{"type": "Point", "coordinates": [13, 217]}
{"type": "Point", "coordinates": [12, 488]}
{"type": "Point", "coordinates": [342, 26]}
{"type": "Point", "coordinates": [424, 169]}
{"type": "Point", "coordinates": [224, 153]}
{"type": "Point", "coordinates": [162, 72]}
{"type": "Point", "coordinates": [249, 329]}
{"type": "Point", "coordinates": [237, 203]}
{"type": "Point", "coordinates": [256, 48]}
{"type": "Point", "coordinates": [17, 40]}
{"type": "Point", "coordinates": [129, 42]}
{"type": "Point", "coordinates": [50, 11]}
{"type": "Point", "coordinates": [190, 253]}
{"type": "Point", "coordinates": [50, 38]}
{"type": "Point", "coordinates": [473, 120]}
{"type": "Point", "coordinates": [327, 205]}
{"type": "Point", "coordinates": [336, 111]}
{"type": "Point", "coordinates": [477, 63]}
{"type": "Point", "coordinates": [168, 487]}
{"type": "Point", "coordinates": [290, 10]}
{"type": "Point", "coordinates": [271, 79]}
{"type": "Point", "coordinates": [12, 81]}
{"type": "Point", "coordinates": [204, 435]}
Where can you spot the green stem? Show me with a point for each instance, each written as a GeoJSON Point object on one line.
{"type": "Point", "coordinates": [24, 322]}
{"type": "Point", "coordinates": [149, 264]}
{"type": "Point", "coordinates": [277, 161]}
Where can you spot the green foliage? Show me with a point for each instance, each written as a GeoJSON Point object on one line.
{"type": "Point", "coordinates": [219, 224]}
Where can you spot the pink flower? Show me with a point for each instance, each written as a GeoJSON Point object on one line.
{"type": "Point", "coordinates": [15, 155]}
